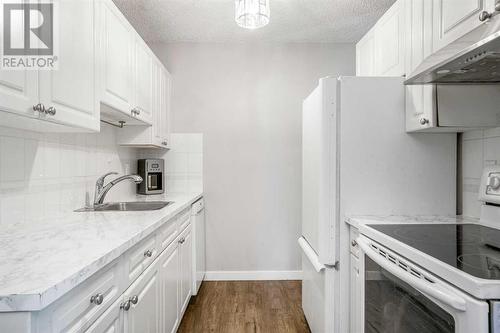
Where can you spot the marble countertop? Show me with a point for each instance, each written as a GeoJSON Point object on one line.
{"type": "Point", "coordinates": [42, 261]}
{"type": "Point", "coordinates": [356, 221]}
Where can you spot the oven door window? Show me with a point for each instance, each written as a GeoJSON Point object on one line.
{"type": "Point", "coordinates": [393, 306]}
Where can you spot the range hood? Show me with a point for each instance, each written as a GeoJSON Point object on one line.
{"type": "Point", "coordinates": [472, 59]}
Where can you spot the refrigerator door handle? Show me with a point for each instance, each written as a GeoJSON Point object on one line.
{"type": "Point", "coordinates": [311, 255]}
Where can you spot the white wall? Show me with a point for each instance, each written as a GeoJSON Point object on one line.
{"type": "Point", "coordinates": [479, 149]}
{"type": "Point", "coordinates": [246, 99]}
{"type": "Point", "coordinates": [49, 175]}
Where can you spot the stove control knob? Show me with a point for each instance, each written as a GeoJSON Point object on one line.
{"type": "Point", "coordinates": [493, 182]}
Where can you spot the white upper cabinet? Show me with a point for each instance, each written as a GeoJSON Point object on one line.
{"type": "Point", "coordinates": [105, 71]}
{"type": "Point", "coordinates": [117, 48]}
{"type": "Point", "coordinates": [454, 18]}
{"type": "Point", "coordinates": [365, 55]}
{"type": "Point", "coordinates": [126, 70]}
{"type": "Point", "coordinates": [381, 52]}
{"type": "Point", "coordinates": [165, 100]}
{"type": "Point", "coordinates": [389, 42]}
{"type": "Point", "coordinates": [68, 93]}
{"type": "Point", "coordinates": [19, 91]}
{"type": "Point", "coordinates": [143, 81]}
{"type": "Point", "coordinates": [156, 135]}
{"type": "Point", "coordinates": [420, 110]}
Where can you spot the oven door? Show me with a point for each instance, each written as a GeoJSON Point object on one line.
{"type": "Point", "coordinates": [400, 297]}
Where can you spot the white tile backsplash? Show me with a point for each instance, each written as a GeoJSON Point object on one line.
{"type": "Point", "coordinates": [46, 175]}
{"type": "Point", "coordinates": [183, 162]}
{"type": "Point", "coordinates": [480, 148]}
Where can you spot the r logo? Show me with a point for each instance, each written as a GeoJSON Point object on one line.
{"type": "Point", "coordinates": [28, 29]}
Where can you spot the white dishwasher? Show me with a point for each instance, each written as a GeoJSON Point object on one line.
{"type": "Point", "coordinates": [198, 230]}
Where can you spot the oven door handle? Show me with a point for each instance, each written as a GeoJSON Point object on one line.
{"type": "Point", "coordinates": [436, 290]}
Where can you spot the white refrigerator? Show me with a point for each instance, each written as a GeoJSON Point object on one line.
{"type": "Point", "coordinates": [358, 160]}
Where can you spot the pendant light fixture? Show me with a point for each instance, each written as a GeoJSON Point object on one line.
{"type": "Point", "coordinates": [252, 14]}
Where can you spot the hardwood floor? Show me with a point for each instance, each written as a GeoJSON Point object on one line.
{"type": "Point", "coordinates": [246, 306]}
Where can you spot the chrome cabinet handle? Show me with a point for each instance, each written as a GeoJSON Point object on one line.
{"type": "Point", "coordinates": [485, 16]}
{"type": "Point", "coordinates": [148, 253]}
{"type": "Point", "coordinates": [125, 305]}
{"type": "Point", "coordinates": [51, 111]}
{"type": "Point", "coordinates": [424, 121]}
{"type": "Point", "coordinates": [132, 300]}
{"type": "Point", "coordinates": [97, 299]}
{"type": "Point", "coordinates": [137, 111]}
{"type": "Point", "coordinates": [182, 240]}
{"type": "Point", "coordinates": [354, 243]}
{"type": "Point", "coordinates": [39, 108]}
{"type": "Point", "coordinates": [164, 143]}
{"type": "Point", "coordinates": [134, 112]}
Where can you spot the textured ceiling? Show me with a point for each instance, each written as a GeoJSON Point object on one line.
{"type": "Point", "coordinates": [291, 20]}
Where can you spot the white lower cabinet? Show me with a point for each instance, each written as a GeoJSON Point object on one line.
{"type": "Point", "coordinates": [141, 302]}
{"type": "Point", "coordinates": [355, 286]}
{"type": "Point", "coordinates": [146, 290]}
{"type": "Point", "coordinates": [355, 316]}
{"type": "Point", "coordinates": [169, 286]}
{"type": "Point", "coordinates": [110, 321]}
{"type": "Point", "coordinates": [186, 266]}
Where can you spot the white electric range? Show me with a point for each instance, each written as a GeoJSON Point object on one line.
{"type": "Point", "coordinates": [434, 277]}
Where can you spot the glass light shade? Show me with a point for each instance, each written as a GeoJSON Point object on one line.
{"type": "Point", "coordinates": [252, 14]}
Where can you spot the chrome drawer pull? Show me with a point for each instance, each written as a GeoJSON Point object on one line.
{"type": "Point", "coordinates": [51, 111]}
{"type": "Point", "coordinates": [148, 253]}
{"type": "Point", "coordinates": [97, 299]}
{"type": "Point", "coordinates": [125, 305]}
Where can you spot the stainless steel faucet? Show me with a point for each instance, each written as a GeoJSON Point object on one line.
{"type": "Point", "coordinates": [101, 190]}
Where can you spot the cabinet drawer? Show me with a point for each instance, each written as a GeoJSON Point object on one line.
{"type": "Point", "coordinates": [140, 257]}
{"type": "Point", "coordinates": [166, 234]}
{"type": "Point", "coordinates": [353, 235]}
{"type": "Point", "coordinates": [184, 219]}
{"type": "Point", "coordinates": [77, 310]}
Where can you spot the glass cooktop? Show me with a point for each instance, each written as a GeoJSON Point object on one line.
{"type": "Point", "coordinates": [471, 248]}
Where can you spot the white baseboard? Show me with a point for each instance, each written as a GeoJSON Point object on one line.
{"type": "Point", "coordinates": [252, 275]}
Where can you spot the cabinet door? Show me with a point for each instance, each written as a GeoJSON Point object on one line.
{"type": "Point", "coordinates": [143, 81]}
{"type": "Point", "coordinates": [18, 89]}
{"type": "Point", "coordinates": [355, 313]}
{"type": "Point", "coordinates": [116, 44]}
{"type": "Point", "coordinates": [169, 288]}
{"type": "Point", "coordinates": [365, 55]}
{"type": "Point", "coordinates": [389, 42]}
{"type": "Point", "coordinates": [109, 322]}
{"type": "Point", "coordinates": [454, 18]}
{"type": "Point", "coordinates": [143, 317]}
{"type": "Point", "coordinates": [157, 103]}
{"type": "Point", "coordinates": [186, 267]}
{"type": "Point", "coordinates": [420, 108]}
{"type": "Point", "coordinates": [70, 90]}
{"type": "Point", "coordinates": [166, 87]}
